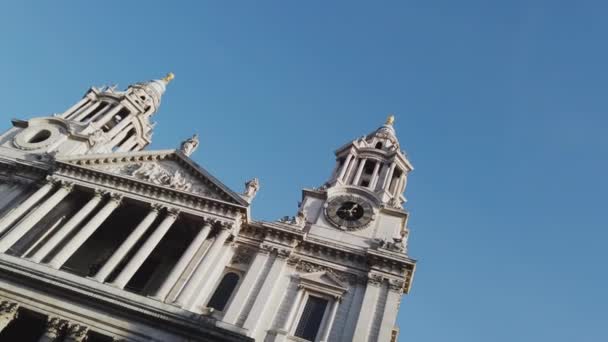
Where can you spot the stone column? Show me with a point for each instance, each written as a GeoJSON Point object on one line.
{"type": "Point", "coordinates": [33, 217]}
{"type": "Point", "coordinates": [14, 215]}
{"type": "Point", "coordinates": [126, 246]}
{"type": "Point", "coordinates": [72, 246]}
{"type": "Point", "coordinates": [293, 310]}
{"type": "Point", "coordinates": [184, 299]}
{"type": "Point", "coordinates": [387, 180]}
{"type": "Point", "coordinates": [146, 249]}
{"type": "Point", "coordinates": [330, 321]}
{"type": "Point", "coordinates": [391, 308]}
{"type": "Point", "coordinates": [8, 312]}
{"type": "Point", "coordinates": [245, 289]}
{"type": "Point", "coordinates": [259, 308]}
{"type": "Point", "coordinates": [87, 111]}
{"type": "Point", "coordinates": [127, 145]}
{"type": "Point", "coordinates": [67, 228]}
{"type": "Point", "coordinates": [119, 127]}
{"type": "Point", "coordinates": [397, 190]}
{"type": "Point", "coordinates": [70, 110]}
{"type": "Point", "coordinates": [375, 176]}
{"type": "Point", "coordinates": [366, 311]}
{"type": "Point", "coordinates": [183, 261]}
{"type": "Point", "coordinates": [76, 333]}
{"type": "Point", "coordinates": [108, 116]}
{"type": "Point", "coordinates": [345, 167]}
{"type": "Point", "coordinates": [359, 171]}
{"type": "Point", "coordinates": [118, 138]}
{"type": "Point", "coordinates": [54, 326]}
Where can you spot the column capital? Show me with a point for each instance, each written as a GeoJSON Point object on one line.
{"type": "Point", "coordinates": [98, 193]}
{"type": "Point", "coordinates": [223, 225]}
{"type": "Point", "coordinates": [77, 332]}
{"type": "Point", "coordinates": [375, 279]}
{"type": "Point", "coordinates": [54, 325]}
{"type": "Point", "coordinates": [173, 212]}
{"type": "Point", "coordinates": [48, 180]}
{"type": "Point", "coordinates": [8, 309]}
{"type": "Point", "coordinates": [156, 207]}
{"type": "Point", "coordinates": [66, 185]}
{"type": "Point", "coordinates": [115, 197]}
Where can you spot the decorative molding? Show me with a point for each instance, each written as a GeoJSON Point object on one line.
{"type": "Point", "coordinates": [243, 256]}
{"type": "Point", "coordinates": [8, 309]}
{"type": "Point", "coordinates": [77, 332]}
{"type": "Point", "coordinates": [54, 326]}
{"type": "Point", "coordinates": [308, 267]}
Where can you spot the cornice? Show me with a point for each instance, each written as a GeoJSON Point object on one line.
{"type": "Point", "coordinates": [148, 311]}
{"type": "Point", "coordinates": [95, 178]}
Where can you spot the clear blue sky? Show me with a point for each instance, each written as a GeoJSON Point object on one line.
{"type": "Point", "coordinates": [501, 106]}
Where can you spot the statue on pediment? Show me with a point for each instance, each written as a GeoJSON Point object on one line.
{"type": "Point", "coordinates": [189, 145]}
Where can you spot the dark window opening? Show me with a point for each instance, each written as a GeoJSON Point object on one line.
{"type": "Point", "coordinates": [379, 145]}
{"type": "Point", "coordinates": [40, 136]}
{"type": "Point", "coordinates": [369, 168]}
{"type": "Point", "coordinates": [127, 136]}
{"type": "Point", "coordinates": [223, 292]}
{"type": "Point", "coordinates": [310, 320]}
{"type": "Point", "coordinates": [28, 326]}
{"type": "Point", "coordinates": [95, 111]}
{"type": "Point", "coordinates": [100, 246]}
{"type": "Point", "coordinates": [153, 272]}
{"type": "Point", "coordinates": [365, 182]}
{"type": "Point", "coordinates": [118, 117]}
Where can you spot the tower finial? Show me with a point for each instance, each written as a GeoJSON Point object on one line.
{"type": "Point", "coordinates": [170, 76]}
{"type": "Point", "coordinates": [390, 120]}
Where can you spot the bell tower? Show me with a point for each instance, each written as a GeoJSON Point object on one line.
{"type": "Point", "coordinates": [374, 163]}
{"type": "Point", "coordinates": [105, 120]}
{"type": "Point", "coordinates": [362, 203]}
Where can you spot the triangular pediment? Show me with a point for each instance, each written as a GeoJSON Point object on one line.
{"type": "Point", "coordinates": [324, 279]}
{"type": "Point", "coordinates": [166, 168]}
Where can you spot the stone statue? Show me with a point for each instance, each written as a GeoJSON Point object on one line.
{"type": "Point", "coordinates": [189, 145]}
{"type": "Point", "coordinates": [251, 189]}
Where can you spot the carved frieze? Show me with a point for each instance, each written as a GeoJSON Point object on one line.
{"type": "Point", "coordinates": [161, 173]}
{"type": "Point", "coordinates": [243, 256]}
{"type": "Point", "coordinates": [308, 267]}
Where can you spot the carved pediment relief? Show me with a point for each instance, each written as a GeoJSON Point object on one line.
{"type": "Point", "coordinates": [168, 170]}
{"type": "Point", "coordinates": [164, 173]}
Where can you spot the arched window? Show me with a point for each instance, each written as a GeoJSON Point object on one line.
{"type": "Point", "coordinates": [379, 145]}
{"type": "Point", "coordinates": [223, 292]}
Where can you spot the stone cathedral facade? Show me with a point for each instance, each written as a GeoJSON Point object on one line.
{"type": "Point", "coordinates": [102, 240]}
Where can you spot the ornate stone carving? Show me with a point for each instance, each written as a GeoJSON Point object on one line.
{"type": "Point", "coordinates": [307, 267]}
{"type": "Point", "coordinates": [173, 211]}
{"type": "Point", "coordinates": [396, 284]}
{"type": "Point", "coordinates": [251, 189]}
{"type": "Point", "coordinates": [116, 197]}
{"type": "Point", "coordinates": [243, 256]}
{"type": "Point", "coordinates": [189, 145]}
{"type": "Point", "coordinates": [77, 333]}
{"type": "Point", "coordinates": [154, 173]}
{"type": "Point", "coordinates": [397, 245]}
{"type": "Point", "coordinates": [54, 326]}
{"type": "Point", "coordinates": [298, 220]}
{"type": "Point", "coordinates": [375, 279]}
{"type": "Point", "coordinates": [98, 137]}
{"type": "Point", "coordinates": [8, 312]}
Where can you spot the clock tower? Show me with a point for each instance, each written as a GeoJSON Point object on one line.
{"type": "Point", "coordinates": [362, 203]}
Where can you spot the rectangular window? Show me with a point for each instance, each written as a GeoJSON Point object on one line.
{"type": "Point", "coordinates": [310, 320]}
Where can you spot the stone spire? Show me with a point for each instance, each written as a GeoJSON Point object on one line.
{"type": "Point", "coordinates": [151, 92]}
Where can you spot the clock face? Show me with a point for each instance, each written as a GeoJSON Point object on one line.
{"type": "Point", "coordinates": [349, 212]}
